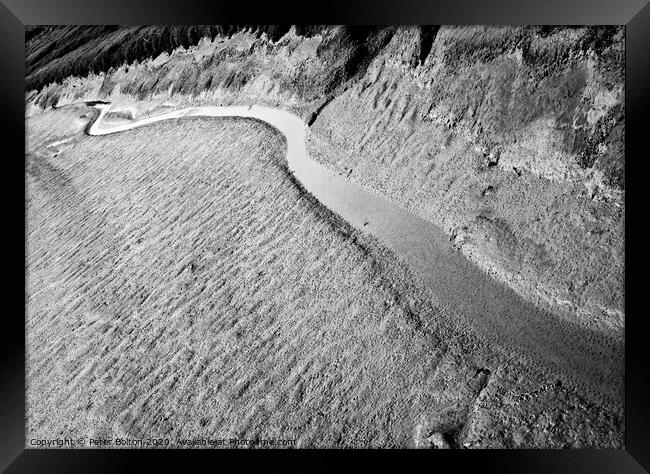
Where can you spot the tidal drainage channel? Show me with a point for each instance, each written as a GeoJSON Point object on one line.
{"type": "Point", "coordinates": [472, 299]}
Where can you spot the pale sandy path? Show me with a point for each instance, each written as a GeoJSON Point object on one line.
{"type": "Point", "coordinates": [578, 356]}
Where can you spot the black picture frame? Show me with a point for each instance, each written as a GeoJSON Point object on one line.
{"type": "Point", "coordinates": [635, 14]}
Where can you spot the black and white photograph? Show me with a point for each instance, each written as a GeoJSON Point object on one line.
{"type": "Point", "coordinates": [325, 236]}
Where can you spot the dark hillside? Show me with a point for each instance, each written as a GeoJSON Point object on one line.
{"type": "Point", "coordinates": [55, 52]}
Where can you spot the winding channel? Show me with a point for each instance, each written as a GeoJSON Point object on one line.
{"type": "Point", "coordinates": [576, 355]}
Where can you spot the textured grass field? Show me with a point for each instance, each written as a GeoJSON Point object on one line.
{"type": "Point", "coordinates": [180, 285]}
